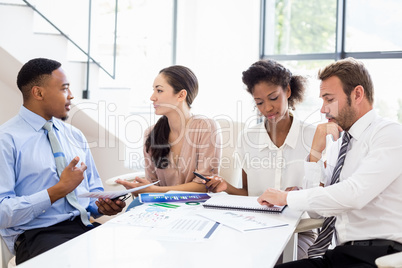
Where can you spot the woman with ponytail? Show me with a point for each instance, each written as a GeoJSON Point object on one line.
{"type": "Point", "coordinates": [179, 143]}
{"type": "Point", "coordinates": [272, 153]}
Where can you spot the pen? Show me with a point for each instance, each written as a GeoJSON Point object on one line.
{"type": "Point", "coordinates": [202, 177]}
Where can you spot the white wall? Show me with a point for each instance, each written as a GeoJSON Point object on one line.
{"type": "Point", "coordinates": [16, 49]}
{"type": "Point", "coordinates": [219, 40]}
{"type": "Point", "coordinates": [11, 97]}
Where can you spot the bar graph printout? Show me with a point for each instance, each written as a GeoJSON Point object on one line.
{"type": "Point", "coordinates": [169, 221]}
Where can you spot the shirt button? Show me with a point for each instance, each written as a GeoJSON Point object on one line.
{"type": "Point", "coordinates": [43, 211]}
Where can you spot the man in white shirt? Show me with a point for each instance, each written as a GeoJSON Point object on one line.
{"type": "Point", "coordinates": [366, 200]}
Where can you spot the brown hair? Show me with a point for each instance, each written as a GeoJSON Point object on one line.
{"type": "Point", "coordinates": [352, 73]}
{"type": "Point", "coordinates": [157, 142]}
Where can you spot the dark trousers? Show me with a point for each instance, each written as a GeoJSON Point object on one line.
{"type": "Point", "coordinates": [345, 256]}
{"type": "Point", "coordinates": [36, 241]}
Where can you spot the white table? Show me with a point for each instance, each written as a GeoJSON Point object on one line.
{"type": "Point", "coordinates": [118, 245]}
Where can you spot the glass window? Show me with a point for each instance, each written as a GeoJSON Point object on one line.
{"type": "Point", "coordinates": [309, 109]}
{"type": "Point", "coordinates": [300, 26]}
{"type": "Point", "coordinates": [373, 25]}
{"type": "Point", "coordinates": [387, 87]}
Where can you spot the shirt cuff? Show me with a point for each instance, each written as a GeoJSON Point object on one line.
{"type": "Point", "coordinates": [298, 200]}
{"type": "Point", "coordinates": [41, 201]}
{"type": "Point", "coordinates": [313, 173]}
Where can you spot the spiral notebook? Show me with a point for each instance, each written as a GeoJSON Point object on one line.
{"type": "Point", "coordinates": [238, 202]}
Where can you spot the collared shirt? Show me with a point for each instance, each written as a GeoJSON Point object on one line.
{"type": "Point", "coordinates": [267, 165]}
{"type": "Point", "coordinates": [28, 169]}
{"type": "Point", "coordinates": [199, 153]}
{"type": "Point", "coordinates": [367, 200]}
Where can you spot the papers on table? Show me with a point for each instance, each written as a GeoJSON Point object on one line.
{"type": "Point", "coordinates": [173, 222]}
{"type": "Point", "coordinates": [241, 220]}
{"type": "Point", "coordinates": [114, 194]}
{"type": "Point", "coordinates": [152, 215]}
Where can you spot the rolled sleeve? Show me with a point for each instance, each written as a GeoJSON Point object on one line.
{"type": "Point", "coordinates": [314, 174]}
{"type": "Point", "coordinates": [298, 200]}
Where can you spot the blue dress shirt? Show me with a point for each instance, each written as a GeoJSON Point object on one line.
{"type": "Point", "coordinates": [28, 169]}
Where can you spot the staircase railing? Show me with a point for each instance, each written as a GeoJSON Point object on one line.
{"type": "Point", "coordinates": [90, 59]}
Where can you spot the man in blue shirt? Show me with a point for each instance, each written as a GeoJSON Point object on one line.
{"type": "Point", "coordinates": [34, 211]}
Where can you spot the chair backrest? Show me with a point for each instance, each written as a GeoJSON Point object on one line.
{"type": "Point", "coordinates": [230, 170]}
{"type": "Point", "coordinates": [6, 255]}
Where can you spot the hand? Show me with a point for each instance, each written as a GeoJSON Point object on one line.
{"type": "Point", "coordinates": [293, 188]}
{"type": "Point", "coordinates": [319, 140]}
{"type": "Point", "coordinates": [72, 176]}
{"type": "Point", "coordinates": [136, 183]}
{"type": "Point", "coordinates": [110, 207]}
{"type": "Point", "coordinates": [216, 184]}
{"type": "Point", "coordinates": [272, 197]}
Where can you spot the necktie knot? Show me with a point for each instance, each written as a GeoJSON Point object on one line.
{"type": "Point", "coordinates": [346, 137]}
{"type": "Point", "coordinates": [48, 126]}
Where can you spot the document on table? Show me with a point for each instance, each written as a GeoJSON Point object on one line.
{"type": "Point", "coordinates": [150, 215]}
{"type": "Point", "coordinates": [172, 222]}
{"type": "Point", "coordinates": [187, 228]}
{"type": "Point", "coordinates": [241, 220]}
{"type": "Point", "coordinates": [114, 194]}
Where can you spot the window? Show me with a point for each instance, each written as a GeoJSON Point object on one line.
{"type": "Point", "coordinates": [295, 27]}
{"type": "Point", "coordinates": [306, 35]}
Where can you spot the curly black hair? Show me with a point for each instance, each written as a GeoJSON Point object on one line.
{"type": "Point", "coordinates": [274, 73]}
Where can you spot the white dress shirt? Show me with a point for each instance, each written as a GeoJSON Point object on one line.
{"type": "Point", "coordinates": [367, 200]}
{"type": "Point", "coordinates": [267, 165]}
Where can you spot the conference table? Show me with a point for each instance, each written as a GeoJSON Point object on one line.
{"type": "Point", "coordinates": [121, 243]}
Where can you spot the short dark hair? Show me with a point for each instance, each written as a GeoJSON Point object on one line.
{"type": "Point", "coordinates": [33, 73]}
{"type": "Point", "coordinates": [272, 72]}
{"type": "Point", "coordinates": [352, 73]}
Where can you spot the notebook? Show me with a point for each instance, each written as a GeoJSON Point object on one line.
{"type": "Point", "coordinates": [172, 197]}
{"type": "Point", "coordinates": [239, 202]}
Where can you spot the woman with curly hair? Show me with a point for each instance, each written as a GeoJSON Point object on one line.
{"type": "Point", "coordinates": [272, 153]}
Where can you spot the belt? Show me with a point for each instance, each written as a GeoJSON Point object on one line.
{"type": "Point", "coordinates": [376, 242]}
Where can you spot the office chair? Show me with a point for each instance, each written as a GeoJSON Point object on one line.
{"type": "Point", "coordinates": [229, 169]}
{"type": "Point", "coordinates": [390, 261]}
{"type": "Point", "coordinates": [7, 259]}
{"type": "Point", "coordinates": [305, 224]}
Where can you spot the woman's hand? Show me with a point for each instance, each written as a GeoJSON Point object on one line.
{"type": "Point", "coordinates": [137, 182]}
{"type": "Point", "coordinates": [293, 188]}
{"type": "Point", "coordinates": [216, 184]}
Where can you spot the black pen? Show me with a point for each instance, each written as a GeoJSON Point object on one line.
{"type": "Point", "coordinates": [202, 177]}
